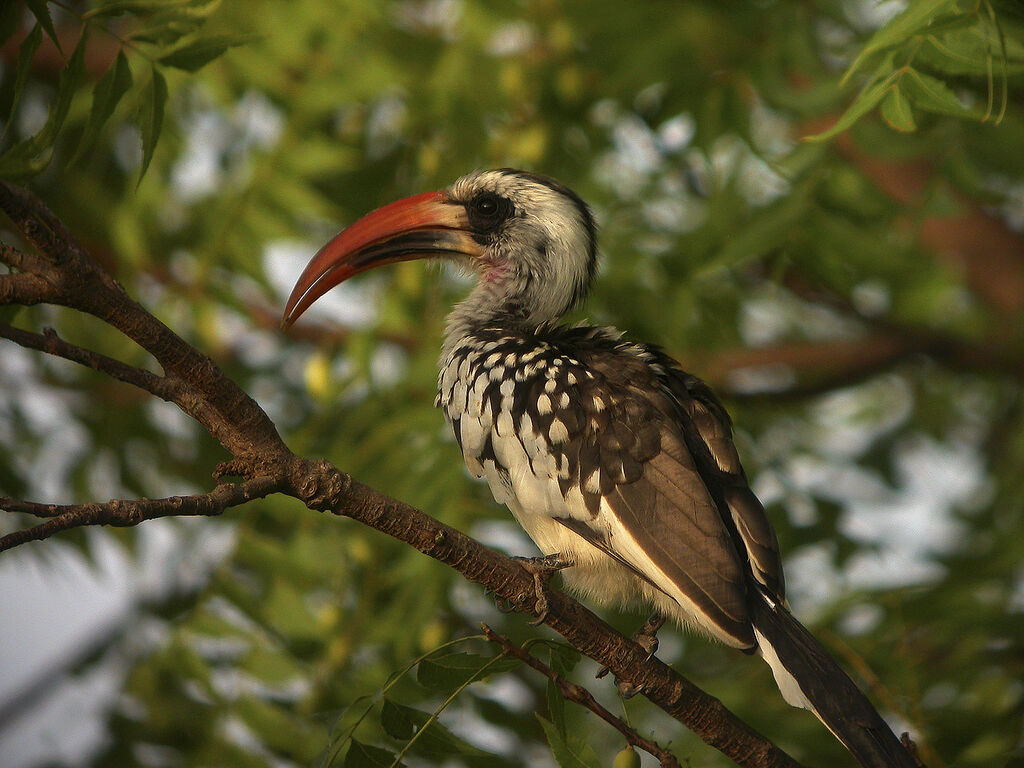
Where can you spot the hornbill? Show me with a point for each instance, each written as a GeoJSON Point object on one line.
{"type": "Point", "coordinates": [618, 464]}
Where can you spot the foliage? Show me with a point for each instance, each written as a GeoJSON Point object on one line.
{"type": "Point", "coordinates": [857, 297]}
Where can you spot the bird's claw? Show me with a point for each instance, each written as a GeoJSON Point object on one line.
{"type": "Point", "coordinates": [542, 569]}
{"type": "Point", "coordinates": [504, 605]}
{"type": "Point", "coordinates": [647, 638]}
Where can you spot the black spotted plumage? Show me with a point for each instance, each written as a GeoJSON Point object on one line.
{"type": "Point", "coordinates": [622, 425]}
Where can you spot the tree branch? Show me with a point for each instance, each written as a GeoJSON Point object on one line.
{"type": "Point", "coordinates": [78, 282]}
{"type": "Point", "coordinates": [583, 697]}
{"type": "Point", "coordinates": [823, 366]}
{"type": "Point", "coordinates": [703, 714]}
{"type": "Point", "coordinates": [128, 512]}
{"type": "Point", "coordinates": [24, 289]}
{"type": "Point", "coordinates": [48, 341]}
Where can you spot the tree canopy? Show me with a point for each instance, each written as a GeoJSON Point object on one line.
{"type": "Point", "coordinates": [817, 207]}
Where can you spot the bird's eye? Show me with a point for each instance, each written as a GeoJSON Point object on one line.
{"type": "Point", "coordinates": [487, 211]}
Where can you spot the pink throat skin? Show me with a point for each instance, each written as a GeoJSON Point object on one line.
{"type": "Point", "coordinates": [495, 271]}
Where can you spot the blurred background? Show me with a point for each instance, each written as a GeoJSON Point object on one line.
{"type": "Point", "coordinates": [856, 299]}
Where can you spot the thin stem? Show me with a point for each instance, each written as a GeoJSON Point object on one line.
{"type": "Point", "coordinates": [342, 740]}
{"type": "Point", "coordinates": [444, 704]}
{"type": "Point", "coordinates": [580, 695]}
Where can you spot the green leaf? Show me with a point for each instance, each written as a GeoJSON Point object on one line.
{"type": "Point", "coordinates": [563, 658]}
{"type": "Point", "coordinates": [171, 25]}
{"type": "Point", "coordinates": [766, 231]}
{"type": "Point", "coordinates": [42, 13]}
{"type": "Point", "coordinates": [154, 99]}
{"type": "Point", "coordinates": [284, 608]}
{"type": "Point", "coordinates": [272, 666]}
{"type": "Point", "coordinates": [896, 111]}
{"type": "Point", "coordinates": [917, 16]}
{"type": "Point", "coordinates": [8, 312]}
{"type": "Point", "coordinates": [864, 103]}
{"type": "Point", "coordinates": [71, 78]}
{"type": "Point", "coordinates": [930, 93]}
{"type": "Point", "coordinates": [569, 752]}
{"type": "Point", "coordinates": [198, 53]}
{"type": "Point", "coordinates": [973, 51]}
{"type": "Point", "coordinates": [105, 97]}
{"type": "Point", "coordinates": [17, 166]}
{"type": "Point", "coordinates": [342, 727]}
{"type": "Point", "coordinates": [397, 721]}
{"type": "Point", "coordinates": [31, 156]}
{"type": "Point", "coordinates": [451, 671]}
{"type": "Point", "coordinates": [556, 706]}
{"type": "Point", "coordinates": [432, 739]}
{"type": "Point", "coordinates": [276, 727]}
{"type": "Point", "coordinates": [167, 31]}
{"type": "Point", "coordinates": [362, 755]}
{"type": "Point", "coordinates": [26, 51]}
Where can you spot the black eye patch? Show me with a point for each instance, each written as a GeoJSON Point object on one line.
{"type": "Point", "coordinates": [487, 211]}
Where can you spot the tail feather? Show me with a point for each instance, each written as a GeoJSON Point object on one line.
{"type": "Point", "coordinates": [810, 678]}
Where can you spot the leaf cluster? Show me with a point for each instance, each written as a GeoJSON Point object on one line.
{"type": "Point", "coordinates": [925, 60]}
{"type": "Point", "coordinates": [150, 36]}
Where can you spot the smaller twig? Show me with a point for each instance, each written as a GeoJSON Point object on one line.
{"type": "Point", "coordinates": [128, 512]}
{"type": "Point", "coordinates": [48, 341]}
{"type": "Point", "coordinates": [583, 697]}
{"type": "Point", "coordinates": [443, 706]}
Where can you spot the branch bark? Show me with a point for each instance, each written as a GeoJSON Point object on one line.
{"type": "Point", "coordinates": [64, 274]}
{"type": "Point", "coordinates": [128, 512]}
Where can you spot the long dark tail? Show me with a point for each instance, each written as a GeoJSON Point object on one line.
{"type": "Point", "coordinates": [810, 678]}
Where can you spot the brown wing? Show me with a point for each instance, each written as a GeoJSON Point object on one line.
{"type": "Point", "coordinates": [710, 440]}
{"type": "Point", "coordinates": [629, 452]}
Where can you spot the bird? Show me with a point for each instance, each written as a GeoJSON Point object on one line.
{"type": "Point", "coordinates": [618, 464]}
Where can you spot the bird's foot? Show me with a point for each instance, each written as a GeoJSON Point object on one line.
{"type": "Point", "coordinates": [647, 638]}
{"type": "Point", "coordinates": [542, 569]}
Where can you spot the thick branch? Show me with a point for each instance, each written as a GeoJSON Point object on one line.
{"type": "Point", "coordinates": [703, 714]}
{"type": "Point", "coordinates": [580, 695]}
{"type": "Point", "coordinates": [128, 512]}
{"type": "Point", "coordinates": [816, 367]}
{"type": "Point", "coordinates": [77, 281]}
{"type": "Point", "coordinates": [25, 289]}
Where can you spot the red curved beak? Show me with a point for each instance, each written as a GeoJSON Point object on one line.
{"type": "Point", "coordinates": [418, 227]}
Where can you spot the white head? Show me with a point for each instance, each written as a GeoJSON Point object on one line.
{"type": "Point", "coordinates": [531, 241]}
{"type": "Point", "coordinates": [539, 244]}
